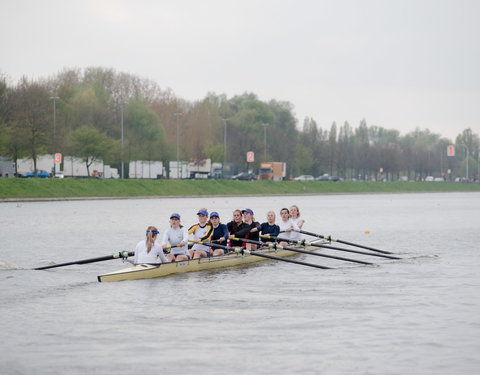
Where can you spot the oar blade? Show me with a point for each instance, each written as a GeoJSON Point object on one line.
{"type": "Point", "coordinates": [121, 254]}
{"type": "Point", "coordinates": [329, 238]}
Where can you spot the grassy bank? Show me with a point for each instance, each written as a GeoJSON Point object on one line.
{"type": "Point", "coordinates": [72, 188]}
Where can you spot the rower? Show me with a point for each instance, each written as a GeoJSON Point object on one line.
{"type": "Point", "coordinates": [269, 228]}
{"type": "Point", "coordinates": [220, 234]}
{"type": "Point", "coordinates": [234, 226]}
{"type": "Point", "coordinates": [286, 226]}
{"type": "Point", "coordinates": [147, 251]}
{"type": "Point", "coordinates": [297, 223]}
{"type": "Point", "coordinates": [201, 233]}
{"type": "Point", "coordinates": [176, 238]}
{"type": "Point", "coordinates": [250, 230]}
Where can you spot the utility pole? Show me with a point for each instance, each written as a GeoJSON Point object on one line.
{"type": "Point", "coordinates": [121, 150]}
{"type": "Point", "coordinates": [54, 98]}
{"type": "Point", "coordinates": [466, 158]}
{"type": "Point", "coordinates": [177, 114]}
{"type": "Point", "coordinates": [224, 146]}
{"type": "Point", "coordinates": [265, 142]}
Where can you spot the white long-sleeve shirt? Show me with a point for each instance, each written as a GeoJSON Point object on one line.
{"type": "Point", "coordinates": [173, 236]}
{"type": "Point", "coordinates": [284, 225]}
{"type": "Point", "coordinates": [296, 236]}
{"type": "Point", "coordinates": [141, 255]}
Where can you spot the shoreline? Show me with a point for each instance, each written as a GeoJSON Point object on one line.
{"type": "Point", "coordinates": [39, 190]}
{"type": "Point", "coordinates": [60, 199]}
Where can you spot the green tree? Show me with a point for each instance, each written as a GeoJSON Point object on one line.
{"type": "Point", "coordinates": [303, 160]}
{"type": "Point", "coordinates": [332, 149]}
{"type": "Point", "coordinates": [90, 144]}
{"type": "Point", "coordinates": [144, 132]}
{"type": "Point", "coordinates": [345, 149]}
{"type": "Point", "coordinates": [30, 125]}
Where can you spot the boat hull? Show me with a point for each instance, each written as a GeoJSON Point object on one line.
{"type": "Point", "coordinates": [149, 271]}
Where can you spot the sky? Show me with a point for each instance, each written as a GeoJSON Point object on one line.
{"type": "Point", "coordinates": [398, 64]}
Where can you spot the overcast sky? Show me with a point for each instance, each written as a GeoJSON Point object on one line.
{"type": "Point", "coordinates": [397, 64]}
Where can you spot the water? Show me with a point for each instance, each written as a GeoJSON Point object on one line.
{"type": "Point", "coordinates": [419, 315]}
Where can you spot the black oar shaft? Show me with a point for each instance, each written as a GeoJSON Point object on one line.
{"type": "Point", "coordinates": [262, 255]}
{"type": "Point", "coordinates": [288, 260]}
{"type": "Point", "coordinates": [294, 249]}
{"type": "Point", "coordinates": [329, 238]}
{"type": "Point", "coordinates": [326, 255]}
{"type": "Point", "coordinates": [305, 243]}
{"type": "Point", "coordinates": [353, 251]}
{"type": "Point", "coordinates": [123, 254]}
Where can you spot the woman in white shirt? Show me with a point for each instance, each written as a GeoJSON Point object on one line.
{"type": "Point", "coordinates": [297, 222]}
{"type": "Point", "coordinates": [176, 237]}
{"type": "Point", "coordinates": [286, 226]}
{"type": "Point", "coordinates": [147, 251]}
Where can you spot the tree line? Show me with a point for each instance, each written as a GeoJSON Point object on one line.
{"type": "Point", "coordinates": [98, 113]}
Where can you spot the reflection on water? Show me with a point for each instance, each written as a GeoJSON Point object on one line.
{"type": "Point", "coordinates": [416, 315]}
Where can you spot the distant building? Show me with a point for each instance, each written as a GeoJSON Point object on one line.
{"type": "Point", "coordinates": [7, 168]}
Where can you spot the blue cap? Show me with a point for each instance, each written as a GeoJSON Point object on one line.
{"type": "Point", "coordinates": [202, 212]}
{"type": "Point", "coordinates": [214, 214]}
{"type": "Point", "coordinates": [176, 216]}
{"type": "Point", "coordinates": [247, 210]}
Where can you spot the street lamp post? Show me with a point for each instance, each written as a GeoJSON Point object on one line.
{"type": "Point", "coordinates": [121, 150]}
{"type": "Point", "coordinates": [54, 98]}
{"type": "Point", "coordinates": [224, 146]}
{"type": "Point", "coordinates": [178, 145]}
{"type": "Point", "coordinates": [466, 158]}
{"type": "Point", "coordinates": [265, 142]}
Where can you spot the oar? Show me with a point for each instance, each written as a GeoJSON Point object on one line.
{"type": "Point", "coordinates": [329, 238]}
{"type": "Point", "coordinates": [306, 243]}
{"type": "Point", "coordinates": [276, 246]}
{"type": "Point", "coordinates": [121, 254]}
{"type": "Point", "coordinates": [262, 255]}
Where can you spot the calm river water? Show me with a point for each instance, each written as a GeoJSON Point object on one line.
{"type": "Point", "coordinates": [420, 315]}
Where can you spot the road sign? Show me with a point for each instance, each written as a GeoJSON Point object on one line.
{"type": "Point", "coordinates": [450, 150]}
{"type": "Point", "coordinates": [250, 157]}
{"type": "Point", "coordinates": [58, 158]}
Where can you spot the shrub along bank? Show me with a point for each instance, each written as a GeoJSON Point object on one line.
{"type": "Point", "coordinates": [18, 188]}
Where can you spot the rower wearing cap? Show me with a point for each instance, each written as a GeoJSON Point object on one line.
{"type": "Point", "coordinates": [176, 237]}
{"type": "Point", "coordinates": [201, 233]}
{"type": "Point", "coordinates": [147, 251]}
{"type": "Point", "coordinates": [220, 234]}
{"type": "Point", "coordinates": [251, 229]}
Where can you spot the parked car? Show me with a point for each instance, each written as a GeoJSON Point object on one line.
{"type": "Point", "coordinates": [305, 177]}
{"type": "Point", "coordinates": [41, 174]}
{"type": "Point", "coordinates": [323, 177]}
{"type": "Point", "coordinates": [244, 176]}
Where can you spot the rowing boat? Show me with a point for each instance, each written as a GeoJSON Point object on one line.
{"type": "Point", "coordinates": [150, 271]}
